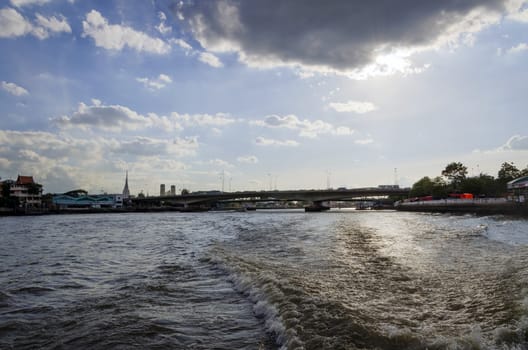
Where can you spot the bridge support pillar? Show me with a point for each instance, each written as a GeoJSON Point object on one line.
{"type": "Point", "coordinates": [317, 206]}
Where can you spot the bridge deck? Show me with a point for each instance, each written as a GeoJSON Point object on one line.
{"type": "Point", "coordinates": [294, 195]}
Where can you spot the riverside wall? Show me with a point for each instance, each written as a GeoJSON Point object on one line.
{"type": "Point", "coordinates": [473, 206]}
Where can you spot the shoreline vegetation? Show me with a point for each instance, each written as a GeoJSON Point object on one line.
{"type": "Point", "coordinates": [455, 192]}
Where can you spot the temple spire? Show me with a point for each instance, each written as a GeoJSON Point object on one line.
{"type": "Point", "coordinates": [126, 192]}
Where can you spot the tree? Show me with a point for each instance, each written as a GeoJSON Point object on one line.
{"type": "Point", "coordinates": [6, 189]}
{"type": "Point", "coordinates": [47, 200]}
{"type": "Point", "coordinates": [508, 172]}
{"type": "Point", "coordinates": [422, 187]}
{"type": "Point", "coordinates": [426, 186]}
{"type": "Point", "coordinates": [490, 186]}
{"type": "Point", "coordinates": [483, 185]}
{"type": "Point", "coordinates": [440, 189]}
{"type": "Point", "coordinates": [35, 189]}
{"type": "Point", "coordinates": [6, 200]}
{"type": "Point", "coordinates": [455, 172]}
{"type": "Point", "coordinates": [184, 192]}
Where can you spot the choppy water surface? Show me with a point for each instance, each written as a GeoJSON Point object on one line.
{"type": "Point", "coordinates": [264, 280]}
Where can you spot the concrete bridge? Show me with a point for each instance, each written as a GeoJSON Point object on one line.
{"type": "Point", "coordinates": [209, 199]}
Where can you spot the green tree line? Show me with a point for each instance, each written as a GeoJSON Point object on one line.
{"type": "Point", "coordinates": [454, 179]}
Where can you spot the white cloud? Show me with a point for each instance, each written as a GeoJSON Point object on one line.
{"type": "Point", "coordinates": [48, 144]}
{"type": "Point", "coordinates": [520, 16]}
{"type": "Point", "coordinates": [359, 107]}
{"type": "Point", "coordinates": [116, 37]}
{"type": "Point", "coordinates": [21, 3]}
{"type": "Point", "coordinates": [261, 141]}
{"type": "Point", "coordinates": [210, 59]}
{"type": "Point", "coordinates": [343, 131]}
{"type": "Point", "coordinates": [181, 43]}
{"type": "Point", "coordinates": [149, 163]}
{"type": "Point", "coordinates": [62, 163]}
{"type": "Point", "coordinates": [165, 78]}
{"type": "Point", "coordinates": [148, 147]}
{"type": "Point", "coordinates": [117, 118]}
{"type": "Point", "coordinates": [515, 143]}
{"type": "Point", "coordinates": [114, 118]}
{"type": "Point", "coordinates": [50, 157]}
{"type": "Point", "coordinates": [218, 119]}
{"type": "Point", "coordinates": [220, 163]}
{"type": "Point", "coordinates": [14, 89]}
{"type": "Point", "coordinates": [13, 24]}
{"type": "Point", "coordinates": [248, 159]}
{"type": "Point", "coordinates": [155, 83]}
{"type": "Point", "coordinates": [315, 128]}
{"type": "Point", "coordinates": [364, 141]}
{"type": "Point", "coordinates": [204, 57]}
{"type": "Point", "coordinates": [53, 24]}
{"type": "Point", "coordinates": [519, 48]}
{"type": "Point", "coordinates": [305, 127]}
{"type": "Point", "coordinates": [162, 28]}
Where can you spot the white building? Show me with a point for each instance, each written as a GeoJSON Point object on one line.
{"type": "Point", "coordinates": [28, 192]}
{"type": "Point", "coordinates": [518, 189]}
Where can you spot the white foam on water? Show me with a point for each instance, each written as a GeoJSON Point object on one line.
{"type": "Point", "coordinates": [469, 235]}
{"type": "Point", "coordinates": [511, 231]}
{"type": "Point", "coordinates": [261, 289]}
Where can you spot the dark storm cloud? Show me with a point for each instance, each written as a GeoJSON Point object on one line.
{"type": "Point", "coordinates": [342, 35]}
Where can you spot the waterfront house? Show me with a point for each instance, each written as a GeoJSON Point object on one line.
{"type": "Point", "coordinates": [27, 191]}
{"type": "Point", "coordinates": [518, 189]}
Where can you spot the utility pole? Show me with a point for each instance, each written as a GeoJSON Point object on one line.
{"type": "Point", "coordinates": [395, 176]}
{"type": "Point", "coordinates": [223, 180]}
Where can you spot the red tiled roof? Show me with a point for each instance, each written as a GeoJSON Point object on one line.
{"type": "Point", "coordinates": [24, 180]}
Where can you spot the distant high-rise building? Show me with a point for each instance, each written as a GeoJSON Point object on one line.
{"type": "Point", "coordinates": [126, 192]}
{"type": "Point", "coordinates": [173, 190]}
{"type": "Point", "coordinates": [162, 189]}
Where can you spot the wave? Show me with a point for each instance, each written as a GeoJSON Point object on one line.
{"type": "Point", "coordinates": [300, 313]}
{"type": "Point", "coordinates": [35, 290]}
{"type": "Point", "coordinates": [5, 299]}
{"type": "Point", "coordinates": [264, 292]}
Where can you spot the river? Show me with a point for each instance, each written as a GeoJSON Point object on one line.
{"type": "Point", "coordinates": [264, 280]}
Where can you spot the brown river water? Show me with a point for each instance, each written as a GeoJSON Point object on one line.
{"type": "Point", "coordinates": [264, 280]}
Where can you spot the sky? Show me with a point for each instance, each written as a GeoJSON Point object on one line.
{"type": "Point", "coordinates": [257, 95]}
